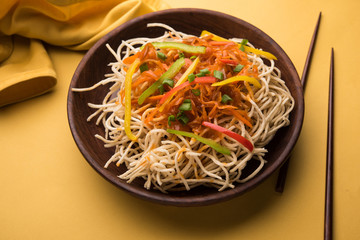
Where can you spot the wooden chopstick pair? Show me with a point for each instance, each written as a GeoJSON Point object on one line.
{"type": "Point", "coordinates": [329, 154]}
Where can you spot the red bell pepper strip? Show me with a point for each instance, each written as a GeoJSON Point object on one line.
{"type": "Point", "coordinates": [246, 143]}
{"type": "Point", "coordinates": [200, 80]}
{"type": "Point", "coordinates": [229, 61]}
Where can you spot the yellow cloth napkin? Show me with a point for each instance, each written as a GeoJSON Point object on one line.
{"type": "Point", "coordinates": [25, 67]}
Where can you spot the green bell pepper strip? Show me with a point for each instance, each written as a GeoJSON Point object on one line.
{"type": "Point", "coordinates": [211, 143]}
{"type": "Point", "coordinates": [169, 74]}
{"type": "Point", "coordinates": [180, 46]}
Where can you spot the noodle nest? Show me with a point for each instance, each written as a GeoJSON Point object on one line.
{"type": "Point", "coordinates": [170, 162]}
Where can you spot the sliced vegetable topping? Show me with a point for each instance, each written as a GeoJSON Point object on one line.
{"type": "Point", "coordinates": [243, 43]}
{"type": "Point", "coordinates": [246, 48]}
{"type": "Point", "coordinates": [169, 74]}
{"type": "Point", "coordinates": [128, 81]}
{"type": "Point", "coordinates": [238, 68]}
{"type": "Point", "coordinates": [168, 82]}
{"type": "Point", "coordinates": [171, 118]}
{"type": "Point", "coordinates": [196, 92]}
{"type": "Point", "coordinates": [229, 61]}
{"type": "Point", "coordinates": [211, 143]}
{"type": "Point", "coordinates": [186, 105]}
{"type": "Point", "coordinates": [200, 80]}
{"type": "Point", "coordinates": [180, 46]}
{"type": "Point", "coordinates": [181, 116]}
{"type": "Point", "coordinates": [191, 77]}
{"type": "Point", "coordinates": [183, 78]}
{"type": "Point", "coordinates": [161, 55]}
{"type": "Point", "coordinates": [203, 72]}
{"type": "Point", "coordinates": [219, 75]}
{"type": "Point", "coordinates": [225, 98]}
{"type": "Point", "coordinates": [251, 80]}
{"type": "Point", "coordinates": [246, 143]}
{"type": "Point", "coordinates": [143, 67]}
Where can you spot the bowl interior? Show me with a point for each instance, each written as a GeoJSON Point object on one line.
{"type": "Point", "coordinates": [95, 64]}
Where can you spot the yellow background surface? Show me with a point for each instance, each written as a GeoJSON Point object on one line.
{"type": "Point", "coordinates": [48, 190]}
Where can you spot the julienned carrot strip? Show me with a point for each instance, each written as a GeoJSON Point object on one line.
{"type": "Point", "coordinates": [251, 93]}
{"type": "Point", "coordinates": [131, 59]}
{"type": "Point", "coordinates": [240, 117]}
{"type": "Point", "coordinates": [150, 99]}
{"type": "Point", "coordinates": [246, 48]}
{"type": "Point", "coordinates": [150, 116]}
{"type": "Point", "coordinates": [221, 43]}
{"type": "Point", "coordinates": [154, 98]}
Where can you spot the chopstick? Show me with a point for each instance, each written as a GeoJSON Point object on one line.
{"type": "Point", "coordinates": [280, 183]}
{"type": "Point", "coordinates": [329, 157]}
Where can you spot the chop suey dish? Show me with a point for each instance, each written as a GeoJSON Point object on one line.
{"type": "Point", "coordinates": [184, 110]}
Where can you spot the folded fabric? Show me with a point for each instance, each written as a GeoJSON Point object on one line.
{"type": "Point", "coordinates": [25, 67]}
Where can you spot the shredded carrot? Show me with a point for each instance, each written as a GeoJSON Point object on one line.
{"type": "Point", "coordinates": [131, 59]}
{"type": "Point", "coordinates": [206, 99]}
{"type": "Point", "coordinates": [150, 116]}
{"type": "Point", "coordinates": [239, 116]}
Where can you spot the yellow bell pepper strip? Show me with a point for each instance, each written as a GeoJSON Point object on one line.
{"type": "Point", "coordinates": [243, 141]}
{"type": "Point", "coordinates": [200, 80]}
{"type": "Point", "coordinates": [169, 74]}
{"type": "Point", "coordinates": [128, 81]}
{"type": "Point", "coordinates": [259, 52]}
{"type": "Point", "coordinates": [246, 48]}
{"type": "Point", "coordinates": [183, 78]}
{"type": "Point", "coordinates": [251, 80]}
{"type": "Point", "coordinates": [180, 46]}
{"type": "Point", "coordinates": [211, 143]}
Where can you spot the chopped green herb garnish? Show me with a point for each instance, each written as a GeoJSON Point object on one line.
{"type": "Point", "coordinates": [143, 67]}
{"type": "Point", "coordinates": [186, 105]}
{"type": "Point", "coordinates": [196, 92]}
{"type": "Point", "coordinates": [171, 118]}
{"type": "Point", "coordinates": [169, 82]}
{"type": "Point", "coordinates": [191, 77]}
{"type": "Point", "coordinates": [183, 118]}
{"type": "Point", "coordinates": [238, 68]}
{"type": "Point", "coordinates": [203, 72]}
{"type": "Point", "coordinates": [181, 55]}
{"type": "Point", "coordinates": [161, 55]}
{"type": "Point", "coordinates": [192, 57]}
{"type": "Point", "coordinates": [225, 98]}
{"type": "Point", "coordinates": [218, 75]}
{"type": "Point", "coordinates": [161, 89]}
{"type": "Point", "coordinates": [243, 42]}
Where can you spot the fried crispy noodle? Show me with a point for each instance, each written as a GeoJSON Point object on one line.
{"type": "Point", "coordinates": [170, 162]}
